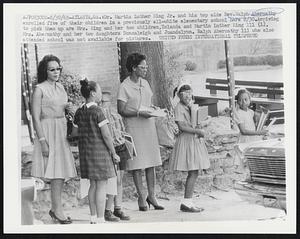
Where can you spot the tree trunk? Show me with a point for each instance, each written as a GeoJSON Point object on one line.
{"type": "Point", "coordinates": [156, 73]}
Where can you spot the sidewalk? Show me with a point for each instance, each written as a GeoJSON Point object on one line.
{"type": "Point", "coordinates": [219, 206]}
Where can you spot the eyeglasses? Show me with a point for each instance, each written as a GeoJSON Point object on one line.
{"type": "Point", "coordinates": [55, 69]}
{"type": "Point", "coordinates": [143, 67]}
{"type": "Point", "coordinates": [187, 93]}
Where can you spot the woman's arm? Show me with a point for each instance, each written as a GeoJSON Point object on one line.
{"type": "Point", "coordinates": [250, 132]}
{"type": "Point", "coordinates": [123, 111]}
{"type": "Point", "coordinates": [182, 126]}
{"type": "Point", "coordinates": [109, 142]}
{"type": "Point", "coordinates": [36, 115]}
{"type": "Point", "coordinates": [36, 111]}
{"type": "Point", "coordinates": [205, 122]}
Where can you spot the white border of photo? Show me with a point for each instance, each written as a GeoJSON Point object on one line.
{"type": "Point", "coordinates": [12, 125]}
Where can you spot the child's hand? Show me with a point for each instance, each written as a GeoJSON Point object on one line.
{"type": "Point", "coordinates": [155, 107]}
{"type": "Point", "coordinates": [264, 132]}
{"type": "Point", "coordinates": [116, 158]}
{"type": "Point", "coordinates": [200, 132]}
{"type": "Point", "coordinates": [265, 110]}
{"type": "Point", "coordinates": [69, 107]}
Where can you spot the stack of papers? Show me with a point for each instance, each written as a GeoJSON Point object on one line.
{"type": "Point", "coordinates": [154, 112]}
{"type": "Point", "coordinates": [198, 114]}
{"type": "Point", "coordinates": [262, 120]}
{"type": "Point", "coordinates": [202, 114]}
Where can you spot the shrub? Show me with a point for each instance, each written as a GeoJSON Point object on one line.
{"type": "Point", "coordinates": [271, 60]}
{"type": "Point", "coordinates": [173, 69]}
{"type": "Point", "coordinates": [221, 64]}
{"type": "Point", "coordinates": [275, 60]}
{"type": "Point", "coordinates": [190, 66]}
{"type": "Point", "coordinates": [71, 84]}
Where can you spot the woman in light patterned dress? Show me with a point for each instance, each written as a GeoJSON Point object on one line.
{"type": "Point", "coordinates": [134, 95]}
{"type": "Point", "coordinates": [52, 156]}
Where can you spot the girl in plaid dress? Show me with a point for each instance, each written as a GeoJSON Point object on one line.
{"type": "Point", "coordinates": [96, 151]}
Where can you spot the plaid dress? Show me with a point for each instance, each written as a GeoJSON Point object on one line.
{"type": "Point", "coordinates": [95, 159]}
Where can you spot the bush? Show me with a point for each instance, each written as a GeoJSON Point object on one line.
{"type": "Point", "coordinates": [173, 69]}
{"type": "Point", "coordinates": [221, 64]}
{"type": "Point", "coordinates": [275, 60]}
{"type": "Point", "coordinates": [71, 84]}
{"type": "Point", "coordinates": [190, 66]}
{"type": "Point", "coordinates": [271, 60]}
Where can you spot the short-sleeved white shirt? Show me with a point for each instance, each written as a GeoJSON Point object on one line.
{"type": "Point", "coordinates": [245, 118]}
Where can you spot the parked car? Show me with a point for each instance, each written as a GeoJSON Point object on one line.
{"type": "Point", "coordinates": [267, 182]}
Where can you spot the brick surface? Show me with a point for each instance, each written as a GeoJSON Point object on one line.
{"type": "Point", "coordinates": [96, 61]}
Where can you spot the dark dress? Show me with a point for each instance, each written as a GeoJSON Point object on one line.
{"type": "Point", "coordinates": [95, 159]}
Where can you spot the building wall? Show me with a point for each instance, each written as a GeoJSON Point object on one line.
{"type": "Point", "coordinates": [96, 61]}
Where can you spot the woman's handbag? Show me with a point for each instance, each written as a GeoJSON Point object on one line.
{"type": "Point", "coordinates": [117, 128]}
{"type": "Point", "coordinates": [124, 154]}
{"type": "Point", "coordinates": [71, 136]}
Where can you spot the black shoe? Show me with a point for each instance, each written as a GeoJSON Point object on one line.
{"type": "Point", "coordinates": [156, 206]}
{"type": "Point", "coordinates": [120, 214]}
{"type": "Point", "coordinates": [54, 217]}
{"type": "Point", "coordinates": [185, 208]}
{"type": "Point", "coordinates": [144, 208]}
{"type": "Point", "coordinates": [110, 217]}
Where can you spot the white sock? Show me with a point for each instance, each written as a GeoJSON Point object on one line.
{"type": "Point", "coordinates": [100, 220]}
{"type": "Point", "coordinates": [93, 218]}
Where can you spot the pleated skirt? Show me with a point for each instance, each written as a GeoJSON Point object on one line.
{"type": "Point", "coordinates": [60, 163]}
{"type": "Point", "coordinates": [189, 153]}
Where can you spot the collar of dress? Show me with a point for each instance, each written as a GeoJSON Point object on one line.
{"type": "Point", "coordinates": [184, 106]}
{"type": "Point", "coordinates": [88, 105]}
{"type": "Point", "coordinates": [136, 86]}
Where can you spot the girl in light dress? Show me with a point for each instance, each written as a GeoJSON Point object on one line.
{"type": "Point", "coordinates": [189, 153]}
{"type": "Point", "coordinates": [96, 151]}
{"type": "Point", "coordinates": [246, 120]}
